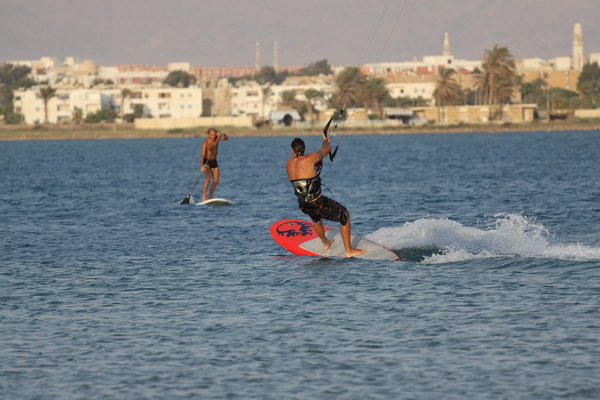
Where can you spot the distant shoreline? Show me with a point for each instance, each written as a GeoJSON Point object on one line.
{"type": "Point", "coordinates": [112, 131]}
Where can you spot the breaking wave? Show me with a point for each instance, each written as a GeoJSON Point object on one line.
{"type": "Point", "coordinates": [435, 240]}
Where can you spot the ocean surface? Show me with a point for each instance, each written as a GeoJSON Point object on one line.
{"type": "Point", "coordinates": [110, 289]}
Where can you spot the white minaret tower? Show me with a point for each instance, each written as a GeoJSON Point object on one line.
{"type": "Point", "coordinates": [446, 45]}
{"type": "Point", "coordinates": [577, 62]}
{"type": "Point", "coordinates": [276, 57]}
{"type": "Point", "coordinates": [257, 66]}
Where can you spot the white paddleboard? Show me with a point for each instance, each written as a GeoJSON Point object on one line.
{"type": "Point", "coordinates": [215, 202]}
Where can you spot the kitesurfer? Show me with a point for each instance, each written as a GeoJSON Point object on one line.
{"type": "Point", "coordinates": [303, 172]}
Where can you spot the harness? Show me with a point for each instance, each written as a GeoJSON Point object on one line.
{"type": "Point", "coordinates": [307, 190]}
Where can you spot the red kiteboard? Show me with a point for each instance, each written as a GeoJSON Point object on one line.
{"type": "Point", "coordinates": [299, 237]}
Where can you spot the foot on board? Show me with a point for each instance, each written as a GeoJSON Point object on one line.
{"type": "Point", "coordinates": [354, 252]}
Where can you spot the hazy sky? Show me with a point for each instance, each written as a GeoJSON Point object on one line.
{"type": "Point", "coordinates": [225, 32]}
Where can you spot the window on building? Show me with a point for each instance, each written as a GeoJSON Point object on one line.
{"type": "Point", "coordinates": [164, 95]}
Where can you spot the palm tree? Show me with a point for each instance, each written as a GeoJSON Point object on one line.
{"type": "Point", "coordinates": [46, 93]}
{"type": "Point", "coordinates": [379, 92]}
{"type": "Point", "coordinates": [348, 81]}
{"type": "Point", "coordinates": [447, 91]}
{"type": "Point", "coordinates": [497, 80]}
{"type": "Point", "coordinates": [310, 95]}
{"type": "Point", "coordinates": [77, 115]}
{"type": "Point", "coordinates": [288, 98]}
{"type": "Point", "coordinates": [125, 93]}
{"type": "Point", "coordinates": [266, 93]}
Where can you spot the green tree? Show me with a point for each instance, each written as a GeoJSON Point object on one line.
{"type": "Point", "coordinates": [321, 67]}
{"type": "Point", "coordinates": [497, 80]}
{"type": "Point", "coordinates": [46, 93]}
{"type": "Point", "coordinates": [370, 93]}
{"type": "Point", "coordinates": [180, 79]}
{"type": "Point", "coordinates": [589, 85]}
{"type": "Point", "coordinates": [103, 115]}
{"type": "Point", "coordinates": [12, 78]}
{"type": "Point", "coordinates": [346, 83]}
{"type": "Point", "coordinates": [77, 115]}
{"type": "Point", "coordinates": [311, 94]}
{"type": "Point", "coordinates": [266, 75]}
{"type": "Point", "coordinates": [288, 98]}
{"type": "Point", "coordinates": [447, 91]}
{"type": "Point", "coordinates": [16, 76]}
{"type": "Point", "coordinates": [532, 92]}
{"type": "Point", "coordinates": [266, 94]}
{"type": "Point", "coordinates": [138, 110]}
{"type": "Point", "coordinates": [125, 93]}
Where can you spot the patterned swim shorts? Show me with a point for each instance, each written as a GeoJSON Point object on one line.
{"type": "Point", "coordinates": [325, 208]}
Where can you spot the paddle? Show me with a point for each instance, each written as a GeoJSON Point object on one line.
{"type": "Point", "coordinates": [187, 198]}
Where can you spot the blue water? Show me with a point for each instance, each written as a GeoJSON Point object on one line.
{"type": "Point", "coordinates": [110, 289]}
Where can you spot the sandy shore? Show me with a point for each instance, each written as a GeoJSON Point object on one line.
{"type": "Point", "coordinates": [127, 131]}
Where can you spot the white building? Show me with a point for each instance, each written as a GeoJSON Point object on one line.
{"type": "Point", "coordinates": [412, 90]}
{"type": "Point", "coordinates": [60, 108]}
{"type": "Point", "coordinates": [594, 58]}
{"type": "Point", "coordinates": [247, 100]}
{"type": "Point", "coordinates": [158, 103]}
{"type": "Point", "coordinates": [166, 102]}
{"type": "Point", "coordinates": [250, 99]}
{"type": "Point", "coordinates": [429, 65]}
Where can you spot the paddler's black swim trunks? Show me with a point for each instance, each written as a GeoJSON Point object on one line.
{"type": "Point", "coordinates": [211, 163]}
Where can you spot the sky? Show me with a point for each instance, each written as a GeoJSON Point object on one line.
{"type": "Point", "coordinates": [344, 32]}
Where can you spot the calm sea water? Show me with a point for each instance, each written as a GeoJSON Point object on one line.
{"type": "Point", "coordinates": [110, 289]}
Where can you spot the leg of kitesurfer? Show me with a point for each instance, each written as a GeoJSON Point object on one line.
{"type": "Point", "coordinates": [347, 237]}
{"type": "Point", "coordinates": [321, 234]}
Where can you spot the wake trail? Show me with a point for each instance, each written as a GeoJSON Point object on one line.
{"type": "Point", "coordinates": [439, 240]}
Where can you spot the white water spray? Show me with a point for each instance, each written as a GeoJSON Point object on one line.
{"type": "Point", "coordinates": [509, 235]}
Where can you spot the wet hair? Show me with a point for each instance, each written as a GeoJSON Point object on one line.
{"type": "Point", "coordinates": [210, 129]}
{"type": "Point", "coordinates": [298, 147]}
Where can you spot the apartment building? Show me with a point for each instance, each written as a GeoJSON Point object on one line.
{"type": "Point", "coordinates": [157, 103]}
{"type": "Point", "coordinates": [61, 107]}
{"type": "Point", "coordinates": [250, 99]}
{"type": "Point", "coordinates": [413, 87]}
{"type": "Point", "coordinates": [166, 102]}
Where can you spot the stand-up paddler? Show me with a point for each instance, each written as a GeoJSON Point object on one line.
{"type": "Point", "coordinates": [208, 162]}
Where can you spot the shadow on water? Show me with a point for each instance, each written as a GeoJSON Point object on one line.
{"type": "Point", "coordinates": [417, 254]}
